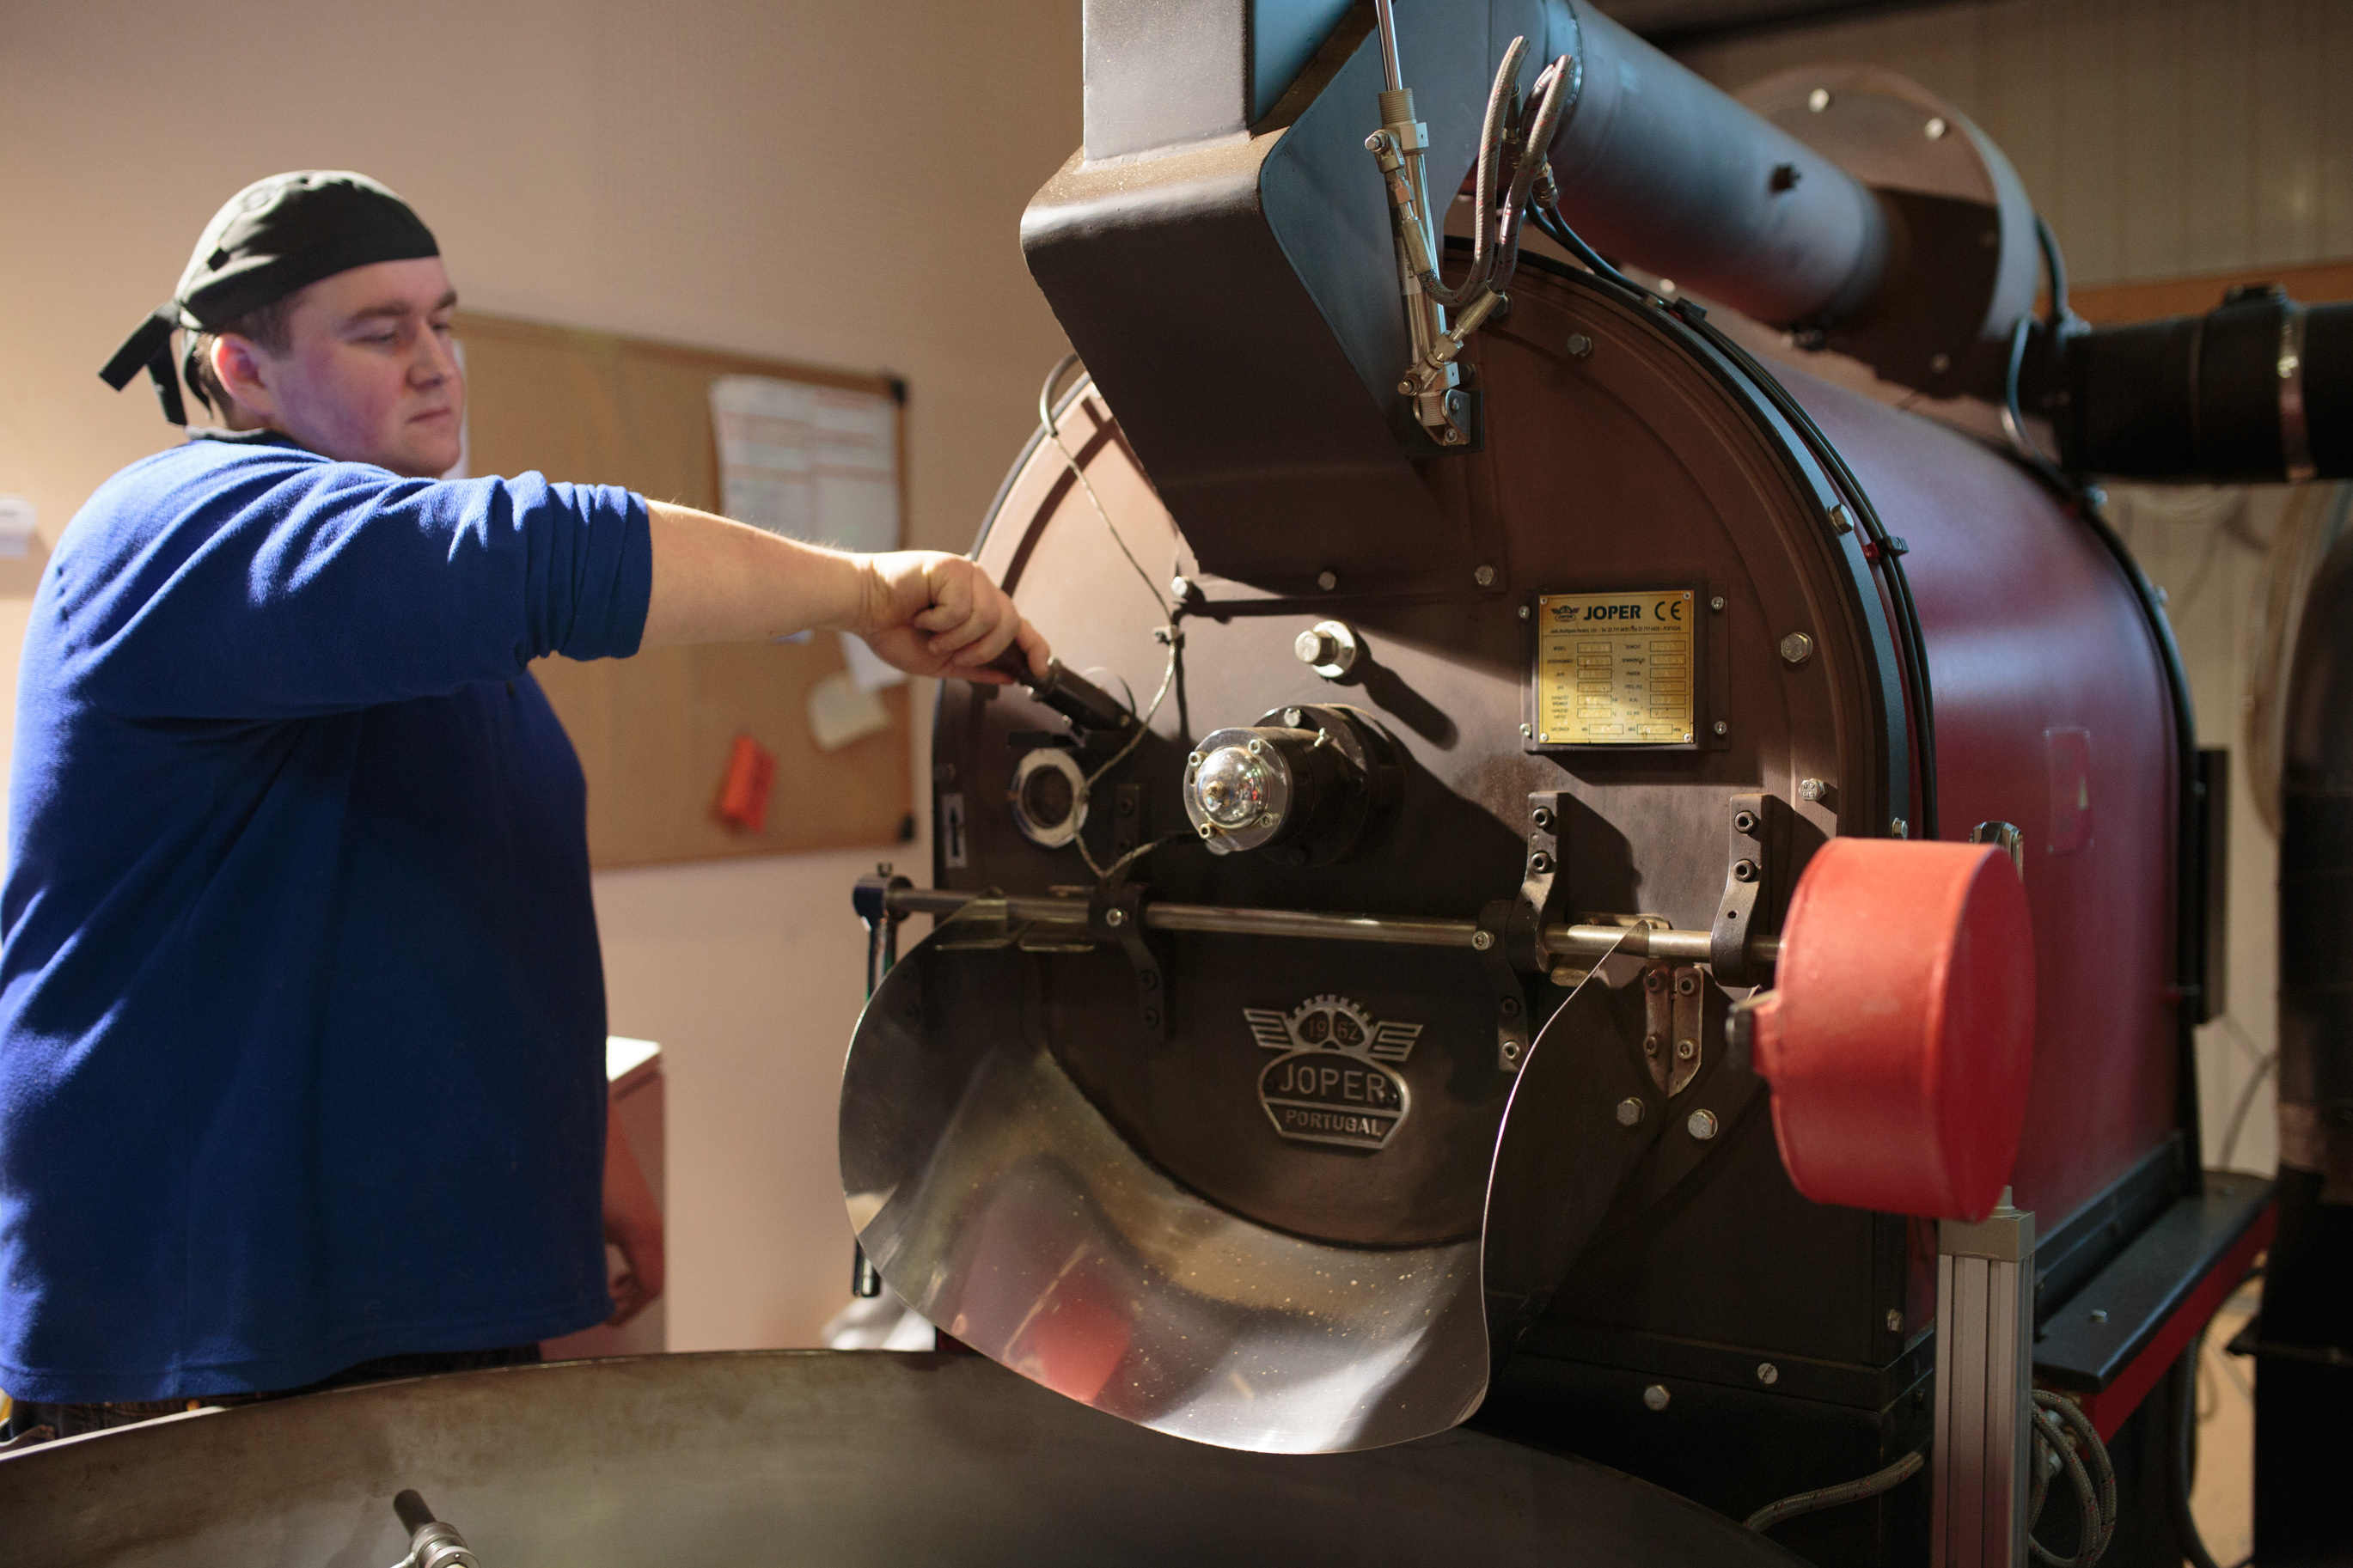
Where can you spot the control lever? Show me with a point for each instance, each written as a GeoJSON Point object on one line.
{"type": "Point", "coordinates": [1081, 701]}
{"type": "Point", "coordinates": [431, 1543]}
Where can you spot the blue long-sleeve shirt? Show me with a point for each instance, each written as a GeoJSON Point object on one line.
{"type": "Point", "coordinates": [302, 1010]}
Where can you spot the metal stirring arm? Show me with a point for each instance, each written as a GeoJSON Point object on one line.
{"type": "Point", "coordinates": [431, 1542]}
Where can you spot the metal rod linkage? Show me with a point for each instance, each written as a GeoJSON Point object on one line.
{"type": "Point", "coordinates": [1562, 941]}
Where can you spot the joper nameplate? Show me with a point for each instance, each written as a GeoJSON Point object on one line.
{"type": "Point", "coordinates": [1614, 670]}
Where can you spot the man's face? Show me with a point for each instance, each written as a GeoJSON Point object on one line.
{"type": "Point", "coordinates": [368, 374]}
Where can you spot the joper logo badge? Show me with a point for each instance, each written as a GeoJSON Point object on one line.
{"type": "Point", "coordinates": [1334, 1082]}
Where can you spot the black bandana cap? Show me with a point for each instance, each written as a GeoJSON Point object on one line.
{"type": "Point", "coordinates": [273, 238]}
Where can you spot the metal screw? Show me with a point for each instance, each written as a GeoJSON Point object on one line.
{"type": "Point", "coordinates": [1894, 1321]}
{"type": "Point", "coordinates": [1818, 100]}
{"type": "Point", "coordinates": [1193, 760]}
{"type": "Point", "coordinates": [1686, 1049]}
{"type": "Point", "coordinates": [1649, 1044]}
{"type": "Point", "coordinates": [1313, 647]}
{"type": "Point", "coordinates": [1936, 128]}
{"type": "Point", "coordinates": [1151, 1017]}
{"type": "Point", "coordinates": [1652, 980]}
{"type": "Point", "coordinates": [1268, 819]}
{"type": "Point", "coordinates": [1898, 828]}
{"type": "Point", "coordinates": [1579, 346]}
{"type": "Point", "coordinates": [1527, 731]}
{"type": "Point", "coordinates": [1768, 1373]}
{"type": "Point", "coordinates": [1841, 520]}
{"type": "Point", "coordinates": [1797, 647]}
{"type": "Point", "coordinates": [1115, 916]}
{"type": "Point", "coordinates": [1510, 1050]}
{"type": "Point", "coordinates": [1686, 984]}
{"type": "Point", "coordinates": [2099, 1314]}
{"type": "Point", "coordinates": [1484, 576]}
{"type": "Point", "coordinates": [1452, 437]}
{"type": "Point", "coordinates": [1545, 737]}
{"type": "Point", "coordinates": [1743, 871]}
{"type": "Point", "coordinates": [1523, 611]}
{"type": "Point", "coordinates": [1509, 1006]}
{"type": "Point", "coordinates": [1180, 589]}
{"type": "Point", "coordinates": [1721, 728]}
{"type": "Point", "coordinates": [1481, 940]}
{"type": "Point", "coordinates": [1539, 862]}
{"type": "Point", "coordinates": [1716, 604]}
{"type": "Point", "coordinates": [1812, 789]}
{"type": "Point", "coordinates": [1744, 821]}
{"type": "Point", "coordinates": [1293, 716]}
{"type": "Point", "coordinates": [1209, 830]}
{"type": "Point", "coordinates": [1542, 816]}
{"type": "Point", "coordinates": [1257, 747]}
{"type": "Point", "coordinates": [1629, 1111]}
{"type": "Point", "coordinates": [1702, 1125]}
{"type": "Point", "coordinates": [1656, 1396]}
{"type": "Point", "coordinates": [1327, 581]}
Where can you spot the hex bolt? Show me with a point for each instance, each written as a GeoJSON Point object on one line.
{"type": "Point", "coordinates": [1936, 128]}
{"type": "Point", "coordinates": [1818, 100]}
{"type": "Point", "coordinates": [1484, 576]}
{"type": "Point", "coordinates": [1180, 589]}
{"type": "Point", "coordinates": [1527, 731]}
{"type": "Point", "coordinates": [1542, 818]}
{"type": "Point", "coordinates": [1812, 789]}
{"type": "Point", "coordinates": [1686, 1049]}
{"type": "Point", "coordinates": [1327, 580]}
{"type": "Point", "coordinates": [1841, 520]}
{"type": "Point", "coordinates": [1629, 1111]}
{"type": "Point", "coordinates": [1481, 940]}
{"type": "Point", "coordinates": [1715, 602]}
{"type": "Point", "coordinates": [1894, 1321]}
{"type": "Point", "coordinates": [1721, 727]}
{"type": "Point", "coordinates": [1797, 647]}
{"type": "Point", "coordinates": [1314, 647]}
{"type": "Point", "coordinates": [1115, 916]}
{"type": "Point", "coordinates": [1702, 1125]}
{"type": "Point", "coordinates": [1768, 1373]}
{"type": "Point", "coordinates": [1579, 346]}
{"type": "Point", "coordinates": [1656, 1396]}
{"type": "Point", "coordinates": [1743, 871]}
{"type": "Point", "coordinates": [1744, 821]}
{"type": "Point", "coordinates": [1293, 718]}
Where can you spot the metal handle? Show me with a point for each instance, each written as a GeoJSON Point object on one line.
{"type": "Point", "coordinates": [1074, 697]}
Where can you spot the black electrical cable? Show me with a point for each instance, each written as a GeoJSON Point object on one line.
{"type": "Point", "coordinates": [1869, 1486]}
{"type": "Point", "coordinates": [1899, 590]}
{"type": "Point", "coordinates": [2180, 1465]}
{"type": "Point", "coordinates": [2056, 266]}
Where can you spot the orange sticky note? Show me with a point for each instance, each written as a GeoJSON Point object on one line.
{"type": "Point", "coordinates": [743, 791]}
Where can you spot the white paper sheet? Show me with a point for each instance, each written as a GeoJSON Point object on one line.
{"type": "Point", "coordinates": [840, 711]}
{"type": "Point", "coordinates": [817, 463]}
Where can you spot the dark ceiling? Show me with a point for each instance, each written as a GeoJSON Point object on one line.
{"type": "Point", "coordinates": [1668, 22]}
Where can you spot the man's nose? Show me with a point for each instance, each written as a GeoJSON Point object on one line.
{"type": "Point", "coordinates": [436, 363]}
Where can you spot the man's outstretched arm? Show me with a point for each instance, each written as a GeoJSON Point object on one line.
{"type": "Point", "coordinates": [926, 612]}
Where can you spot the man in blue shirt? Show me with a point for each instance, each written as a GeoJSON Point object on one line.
{"type": "Point", "coordinates": [302, 1010]}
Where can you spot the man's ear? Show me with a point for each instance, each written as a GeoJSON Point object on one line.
{"type": "Point", "coordinates": [243, 372]}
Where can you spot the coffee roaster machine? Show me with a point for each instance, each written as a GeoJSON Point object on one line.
{"type": "Point", "coordinates": [1606, 881]}
{"type": "Point", "coordinates": [1604, 908]}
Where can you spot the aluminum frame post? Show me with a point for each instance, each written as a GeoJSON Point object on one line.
{"type": "Point", "coordinates": [1985, 1362]}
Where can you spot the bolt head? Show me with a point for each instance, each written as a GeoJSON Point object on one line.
{"type": "Point", "coordinates": [1452, 437]}
{"type": "Point", "coordinates": [1702, 1125]}
{"type": "Point", "coordinates": [1797, 647]}
{"type": "Point", "coordinates": [1509, 1006]}
{"type": "Point", "coordinates": [1629, 1111]}
{"type": "Point", "coordinates": [1295, 718]}
{"type": "Point", "coordinates": [1715, 602]}
{"type": "Point", "coordinates": [1745, 821]}
{"type": "Point", "coordinates": [1209, 830]}
{"type": "Point", "coordinates": [1327, 580]}
{"type": "Point", "coordinates": [1721, 727]}
{"type": "Point", "coordinates": [1115, 916]}
{"type": "Point", "coordinates": [1768, 1373]}
{"type": "Point", "coordinates": [2099, 1314]}
{"type": "Point", "coordinates": [1743, 871]}
{"type": "Point", "coordinates": [1180, 589]}
{"type": "Point", "coordinates": [1481, 940]}
{"type": "Point", "coordinates": [1656, 1396]}
{"type": "Point", "coordinates": [1484, 576]}
{"type": "Point", "coordinates": [1686, 1049]}
{"type": "Point", "coordinates": [1527, 731]}
{"type": "Point", "coordinates": [1523, 611]}
{"type": "Point", "coordinates": [1936, 128]}
{"type": "Point", "coordinates": [1686, 984]}
{"type": "Point", "coordinates": [1542, 816]}
{"type": "Point", "coordinates": [1579, 346]}
{"type": "Point", "coordinates": [1652, 980]}
{"type": "Point", "coordinates": [1812, 789]}
{"type": "Point", "coordinates": [1818, 100]}
{"type": "Point", "coordinates": [1940, 363]}
{"type": "Point", "coordinates": [1894, 1321]}
{"type": "Point", "coordinates": [1510, 1050]}
{"type": "Point", "coordinates": [1257, 748]}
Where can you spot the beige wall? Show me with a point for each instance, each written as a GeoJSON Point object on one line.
{"type": "Point", "coordinates": [830, 182]}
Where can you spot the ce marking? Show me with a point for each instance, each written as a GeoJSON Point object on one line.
{"type": "Point", "coordinates": [1662, 610]}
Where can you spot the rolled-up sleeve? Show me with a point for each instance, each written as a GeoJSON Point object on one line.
{"type": "Point", "coordinates": [290, 585]}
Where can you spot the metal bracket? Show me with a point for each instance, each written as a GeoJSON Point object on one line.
{"type": "Point", "coordinates": [870, 897]}
{"type": "Point", "coordinates": [1492, 942]}
{"type": "Point", "coordinates": [1748, 886]}
{"type": "Point", "coordinates": [1115, 913]}
{"type": "Point", "coordinates": [1689, 1039]}
{"type": "Point", "coordinates": [1542, 887]}
{"type": "Point", "coordinates": [1658, 1020]}
{"type": "Point", "coordinates": [2006, 838]}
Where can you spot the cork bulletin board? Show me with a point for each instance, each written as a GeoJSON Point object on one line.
{"type": "Point", "coordinates": [656, 733]}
